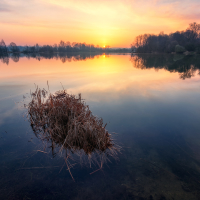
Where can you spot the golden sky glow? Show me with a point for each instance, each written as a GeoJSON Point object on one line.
{"type": "Point", "coordinates": [104, 22]}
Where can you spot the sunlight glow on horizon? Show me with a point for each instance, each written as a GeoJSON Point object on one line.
{"type": "Point", "coordinates": [112, 22]}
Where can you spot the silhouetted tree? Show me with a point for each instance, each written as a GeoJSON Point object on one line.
{"type": "Point", "coordinates": [3, 48]}
{"type": "Point", "coordinates": [37, 48]}
{"type": "Point", "coordinates": [14, 48]}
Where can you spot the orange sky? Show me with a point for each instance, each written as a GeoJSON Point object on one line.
{"type": "Point", "coordinates": [103, 22]}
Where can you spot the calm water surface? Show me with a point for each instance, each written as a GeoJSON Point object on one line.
{"type": "Point", "coordinates": [150, 101]}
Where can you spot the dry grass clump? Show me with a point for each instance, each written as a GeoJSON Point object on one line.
{"type": "Point", "coordinates": [67, 122]}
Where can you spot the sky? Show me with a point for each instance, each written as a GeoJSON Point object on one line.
{"type": "Point", "coordinates": [100, 22]}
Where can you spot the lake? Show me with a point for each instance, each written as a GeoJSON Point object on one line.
{"type": "Point", "coordinates": [151, 102]}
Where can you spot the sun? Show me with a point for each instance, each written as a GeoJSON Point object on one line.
{"type": "Point", "coordinates": [104, 46]}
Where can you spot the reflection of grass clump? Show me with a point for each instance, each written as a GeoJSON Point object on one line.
{"type": "Point", "coordinates": [66, 122]}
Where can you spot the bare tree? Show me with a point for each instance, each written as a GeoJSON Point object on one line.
{"type": "Point", "coordinates": [14, 48]}
{"type": "Point", "coordinates": [3, 48]}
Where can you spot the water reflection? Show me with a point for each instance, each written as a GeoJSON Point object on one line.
{"type": "Point", "coordinates": [155, 113]}
{"type": "Point", "coordinates": [5, 59]}
{"type": "Point", "coordinates": [64, 57]}
{"type": "Point", "coordinates": [186, 66]}
{"type": "Point", "coordinates": [15, 57]}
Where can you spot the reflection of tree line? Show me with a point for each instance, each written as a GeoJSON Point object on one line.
{"type": "Point", "coordinates": [64, 57]}
{"type": "Point", "coordinates": [186, 66]}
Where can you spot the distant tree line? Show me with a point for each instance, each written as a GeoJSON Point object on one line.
{"type": "Point", "coordinates": [62, 47]}
{"type": "Point", "coordinates": [179, 42]}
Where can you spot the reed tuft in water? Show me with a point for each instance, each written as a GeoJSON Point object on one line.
{"type": "Point", "coordinates": [67, 122]}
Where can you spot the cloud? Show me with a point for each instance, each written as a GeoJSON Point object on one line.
{"type": "Point", "coordinates": [4, 10]}
{"type": "Point", "coordinates": [4, 7]}
{"type": "Point", "coordinates": [103, 19]}
{"type": "Point", "coordinates": [136, 12]}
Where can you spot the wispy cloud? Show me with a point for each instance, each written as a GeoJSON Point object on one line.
{"type": "Point", "coordinates": [4, 10]}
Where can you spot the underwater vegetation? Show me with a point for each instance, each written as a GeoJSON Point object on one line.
{"type": "Point", "coordinates": [66, 122]}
